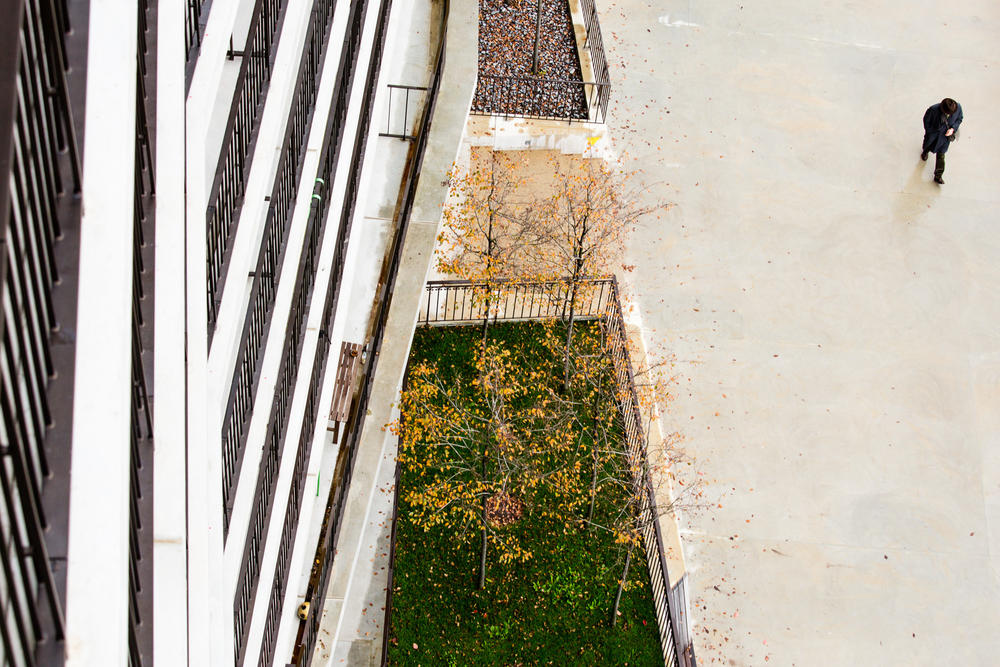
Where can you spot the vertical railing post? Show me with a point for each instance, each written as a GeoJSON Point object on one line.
{"type": "Point", "coordinates": [170, 549]}
{"type": "Point", "coordinates": [97, 588]}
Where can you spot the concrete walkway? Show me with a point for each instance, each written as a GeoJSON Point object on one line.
{"type": "Point", "coordinates": [835, 318]}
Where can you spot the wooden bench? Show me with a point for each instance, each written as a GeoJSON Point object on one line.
{"type": "Point", "coordinates": [347, 370]}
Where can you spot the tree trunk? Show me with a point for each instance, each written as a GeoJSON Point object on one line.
{"type": "Point", "coordinates": [486, 318]}
{"type": "Point", "coordinates": [490, 249]}
{"type": "Point", "coordinates": [569, 329]}
{"type": "Point", "coordinates": [593, 451]}
{"type": "Point", "coordinates": [538, 31]}
{"type": "Point", "coordinates": [621, 586]}
{"type": "Point", "coordinates": [579, 243]}
{"type": "Point", "coordinates": [482, 554]}
{"type": "Point", "coordinates": [593, 490]}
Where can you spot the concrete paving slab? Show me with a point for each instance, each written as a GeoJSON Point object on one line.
{"type": "Point", "coordinates": [833, 317]}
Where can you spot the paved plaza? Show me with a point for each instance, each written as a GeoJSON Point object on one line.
{"type": "Point", "coordinates": [835, 317]}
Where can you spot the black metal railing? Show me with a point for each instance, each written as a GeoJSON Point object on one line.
{"type": "Point", "coordinates": [455, 302]}
{"type": "Point", "coordinates": [635, 438]}
{"type": "Point", "coordinates": [594, 45]}
{"type": "Point", "coordinates": [192, 28]}
{"type": "Point", "coordinates": [267, 477]}
{"type": "Point", "coordinates": [311, 415]}
{"type": "Point", "coordinates": [463, 302]}
{"type": "Point", "coordinates": [139, 539]}
{"type": "Point", "coordinates": [226, 194]}
{"type": "Point", "coordinates": [308, 631]}
{"type": "Point", "coordinates": [141, 422]}
{"type": "Point", "coordinates": [37, 146]}
{"type": "Point", "coordinates": [402, 128]}
{"type": "Point", "coordinates": [319, 209]}
{"type": "Point", "coordinates": [533, 97]}
{"type": "Point", "coordinates": [265, 276]}
{"type": "Point", "coordinates": [294, 335]}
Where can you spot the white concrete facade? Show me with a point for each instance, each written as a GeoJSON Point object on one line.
{"type": "Point", "coordinates": [98, 553]}
{"type": "Point", "coordinates": [197, 569]}
{"type": "Point", "coordinates": [170, 552]}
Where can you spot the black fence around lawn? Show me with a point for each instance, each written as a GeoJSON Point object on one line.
{"type": "Point", "coordinates": [464, 303]}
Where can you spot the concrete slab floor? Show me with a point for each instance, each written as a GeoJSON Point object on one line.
{"type": "Point", "coordinates": [833, 313]}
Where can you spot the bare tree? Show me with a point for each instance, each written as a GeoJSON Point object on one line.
{"type": "Point", "coordinates": [636, 487]}
{"type": "Point", "coordinates": [487, 229]}
{"type": "Point", "coordinates": [588, 218]}
{"type": "Point", "coordinates": [483, 451]}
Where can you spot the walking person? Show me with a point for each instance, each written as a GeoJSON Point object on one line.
{"type": "Point", "coordinates": [941, 123]}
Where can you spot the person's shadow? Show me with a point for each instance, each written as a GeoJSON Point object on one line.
{"type": "Point", "coordinates": [915, 198]}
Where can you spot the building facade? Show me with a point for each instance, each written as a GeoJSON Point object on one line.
{"type": "Point", "coordinates": [204, 218]}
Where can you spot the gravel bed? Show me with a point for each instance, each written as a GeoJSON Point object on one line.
{"type": "Point", "coordinates": [506, 43]}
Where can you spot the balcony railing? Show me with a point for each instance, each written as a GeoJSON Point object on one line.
{"type": "Point", "coordinates": [318, 210]}
{"type": "Point", "coordinates": [192, 28]}
{"type": "Point", "coordinates": [226, 194]}
{"type": "Point", "coordinates": [319, 577]}
{"type": "Point", "coordinates": [262, 304]}
{"type": "Point", "coordinates": [141, 432]}
{"type": "Point", "coordinates": [37, 147]}
{"type": "Point", "coordinates": [29, 582]}
{"type": "Point", "coordinates": [265, 276]}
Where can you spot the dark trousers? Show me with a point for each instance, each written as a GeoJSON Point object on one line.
{"type": "Point", "coordinates": [938, 165]}
{"type": "Point", "coordinates": [939, 157]}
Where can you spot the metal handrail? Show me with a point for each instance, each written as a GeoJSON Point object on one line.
{"type": "Point", "coordinates": [594, 44]}
{"type": "Point", "coordinates": [291, 354]}
{"type": "Point", "coordinates": [636, 441]}
{"type": "Point", "coordinates": [461, 302]}
{"type": "Point", "coordinates": [406, 108]}
{"type": "Point", "coordinates": [39, 167]}
{"type": "Point", "coordinates": [226, 193]}
{"type": "Point", "coordinates": [534, 97]}
{"type": "Point", "coordinates": [192, 28]}
{"type": "Point", "coordinates": [36, 125]}
{"type": "Point", "coordinates": [333, 515]}
{"type": "Point", "coordinates": [139, 540]}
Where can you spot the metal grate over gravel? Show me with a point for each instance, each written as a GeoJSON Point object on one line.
{"type": "Point", "coordinates": [506, 40]}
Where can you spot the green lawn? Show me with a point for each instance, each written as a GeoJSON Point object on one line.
{"type": "Point", "coordinates": [553, 609]}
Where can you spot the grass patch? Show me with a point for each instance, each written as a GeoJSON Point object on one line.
{"type": "Point", "coordinates": [553, 609]}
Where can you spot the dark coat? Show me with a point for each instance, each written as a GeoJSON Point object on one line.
{"type": "Point", "coordinates": [935, 125]}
